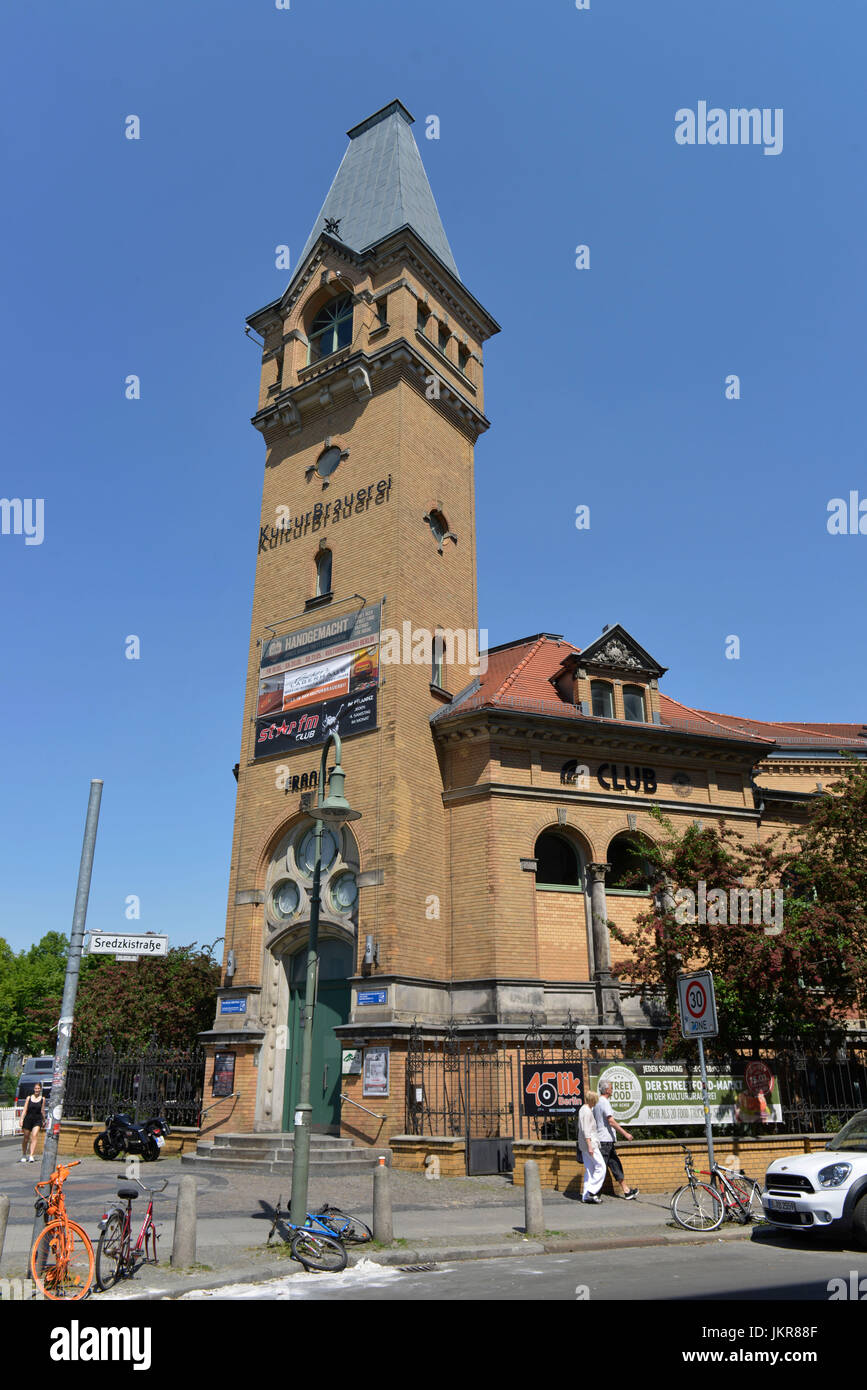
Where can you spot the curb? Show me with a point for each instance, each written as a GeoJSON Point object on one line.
{"type": "Point", "coordinates": [422, 1255]}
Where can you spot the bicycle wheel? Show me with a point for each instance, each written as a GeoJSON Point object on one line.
{"type": "Point", "coordinates": [68, 1255]}
{"type": "Point", "coordinates": [110, 1251]}
{"type": "Point", "coordinates": [318, 1252]}
{"type": "Point", "coordinates": [749, 1194]}
{"type": "Point", "coordinates": [347, 1228]}
{"type": "Point", "coordinates": [697, 1207]}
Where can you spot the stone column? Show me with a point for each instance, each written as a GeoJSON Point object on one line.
{"type": "Point", "coordinates": [607, 992]}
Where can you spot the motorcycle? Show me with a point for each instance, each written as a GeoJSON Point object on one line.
{"type": "Point", "coordinates": [122, 1135]}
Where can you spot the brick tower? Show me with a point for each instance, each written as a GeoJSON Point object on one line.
{"type": "Point", "coordinates": [364, 621]}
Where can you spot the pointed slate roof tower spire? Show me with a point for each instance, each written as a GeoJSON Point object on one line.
{"type": "Point", "coordinates": [380, 187]}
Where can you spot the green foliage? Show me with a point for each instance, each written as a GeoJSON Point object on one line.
{"type": "Point", "coordinates": [807, 979]}
{"type": "Point", "coordinates": [8, 1085]}
{"type": "Point", "coordinates": [172, 997]}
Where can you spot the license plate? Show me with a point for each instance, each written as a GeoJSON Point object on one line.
{"type": "Point", "coordinates": [776, 1204]}
{"type": "Point", "coordinates": [160, 1140]}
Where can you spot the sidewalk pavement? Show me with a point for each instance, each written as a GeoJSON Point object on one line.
{"type": "Point", "coordinates": [434, 1221]}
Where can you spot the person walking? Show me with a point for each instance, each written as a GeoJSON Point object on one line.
{"type": "Point", "coordinates": [605, 1127]}
{"type": "Point", "coordinates": [589, 1151]}
{"type": "Point", "coordinates": [32, 1120]}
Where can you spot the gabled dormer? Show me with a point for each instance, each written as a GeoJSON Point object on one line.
{"type": "Point", "coordinates": [613, 678]}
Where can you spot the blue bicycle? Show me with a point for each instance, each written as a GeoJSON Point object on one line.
{"type": "Point", "coordinates": [321, 1242]}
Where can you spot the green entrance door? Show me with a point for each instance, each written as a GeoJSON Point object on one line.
{"type": "Point", "coordinates": [332, 1008]}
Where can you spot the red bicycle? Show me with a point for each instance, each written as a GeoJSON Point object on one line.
{"type": "Point", "coordinates": [116, 1256]}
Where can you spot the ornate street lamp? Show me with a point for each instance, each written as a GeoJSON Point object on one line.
{"type": "Point", "coordinates": [333, 810]}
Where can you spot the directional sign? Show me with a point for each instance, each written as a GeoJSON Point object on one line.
{"type": "Point", "coordinates": [126, 945]}
{"type": "Point", "coordinates": [696, 1004]}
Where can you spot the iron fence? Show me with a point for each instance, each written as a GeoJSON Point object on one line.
{"type": "Point", "coordinates": [464, 1085]}
{"type": "Point", "coordinates": [154, 1080]}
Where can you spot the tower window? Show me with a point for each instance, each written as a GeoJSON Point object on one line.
{"type": "Point", "coordinates": [331, 329]}
{"type": "Point", "coordinates": [422, 314]}
{"type": "Point", "coordinates": [382, 312]}
{"type": "Point", "coordinates": [633, 703]}
{"type": "Point", "coordinates": [440, 528]}
{"type": "Point", "coordinates": [557, 861]}
{"type": "Point", "coordinates": [464, 356]}
{"type": "Point", "coordinates": [602, 695]}
{"type": "Point", "coordinates": [323, 573]}
{"type": "Point", "coordinates": [443, 336]}
{"type": "Point", "coordinates": [438, 661]}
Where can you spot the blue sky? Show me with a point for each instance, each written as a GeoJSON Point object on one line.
{"type": "Point", "coordinates": [605, 387]}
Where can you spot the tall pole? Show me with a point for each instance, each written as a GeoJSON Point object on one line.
{"type": "Point", "coordinates": [704, 1097]}
{"type": "Point", "coordinates": [70, 989]}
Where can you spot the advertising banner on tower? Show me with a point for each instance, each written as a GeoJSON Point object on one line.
{"type": "Point", "coordinates": [319, 681]}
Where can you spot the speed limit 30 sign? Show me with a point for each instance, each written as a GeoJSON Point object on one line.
{"type": "Point", "coordinates": [696, 1003]}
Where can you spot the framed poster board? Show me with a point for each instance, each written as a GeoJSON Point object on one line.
{"type": "Point", "coordinates": [223, 1083]}
{"type": "Point", "coordinates": [375, 1074]}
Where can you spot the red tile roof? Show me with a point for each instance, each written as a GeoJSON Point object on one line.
{"type": "Point", "coordinates": [518, 677]}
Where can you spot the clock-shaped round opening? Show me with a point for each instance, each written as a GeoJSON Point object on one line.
{"type": "Point", "coordinates": [344, 892]}
{"type": "Point", "coordinates": [327, 462]}
{"type": "Point", "coordinates": [307, 851]}
{"type": "Point", "coordinates": [285, 899]}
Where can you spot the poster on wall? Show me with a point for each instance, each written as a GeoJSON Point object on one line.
{"type": "Point", "coordinates": [375, 1076]}
{"type": "Point", "coordinates": [319, 681]}
{"type": "Point", "coordinates": [669, 1093]}
{"type": "Point", "coordinates": [224, 1074]}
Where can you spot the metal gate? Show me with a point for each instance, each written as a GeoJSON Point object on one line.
{"type": "Point", "coordinates": [468, 1086]}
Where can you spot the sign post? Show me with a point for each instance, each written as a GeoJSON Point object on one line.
{"type": "Point", "coordinates": [696, 1004]}
{"type": "Point", "coordinates": [70, 989]}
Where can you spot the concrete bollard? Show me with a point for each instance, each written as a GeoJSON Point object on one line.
{"type": "Point", "coordinates": [534, 1216]}
{"type": "Point", "coordinates": [184, 1242]}
{"type": "Point", "coordinates": [383, 1224]}
{"type": "Point", "coordinates": [4, 1217]}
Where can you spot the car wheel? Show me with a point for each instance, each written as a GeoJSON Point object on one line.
{"type": "Point", "coordinates": [859, 1223]}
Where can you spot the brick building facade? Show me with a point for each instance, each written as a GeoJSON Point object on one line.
{"type": "Point", "coordinates": [502, 798]}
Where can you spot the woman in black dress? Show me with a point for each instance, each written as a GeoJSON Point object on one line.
{"type": "Point", "coordinates": [32, 1121]}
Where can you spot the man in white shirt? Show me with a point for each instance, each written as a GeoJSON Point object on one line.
{"type": "Point", "coordinates": [605, 1127]}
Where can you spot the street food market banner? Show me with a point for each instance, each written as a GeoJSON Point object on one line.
{"type": "Point", "coordinates": [319, 681]}
{"type": "Point", "coordinates": [669, 1093]}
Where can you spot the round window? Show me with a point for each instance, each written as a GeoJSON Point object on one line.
{"type": "Point", "coordinates": [306, 854]}
{"type": "Point", "coordinates": [344, 892]}
{"type": "Point", "coordinates": [327, 462]}
{"type": "Point", "coordinates": [285, 899]}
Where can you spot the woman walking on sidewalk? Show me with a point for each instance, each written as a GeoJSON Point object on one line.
{"type": "Point", "coordinates": [32, 1121]}
{"type": "Point", "coordinates": [589, 1151]}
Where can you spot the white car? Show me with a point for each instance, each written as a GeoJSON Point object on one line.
{"type": "Point", "coordinates": [823, 1191]}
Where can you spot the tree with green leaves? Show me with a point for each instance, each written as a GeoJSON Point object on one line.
{"type": "Point", "coordinates": [801, 972]}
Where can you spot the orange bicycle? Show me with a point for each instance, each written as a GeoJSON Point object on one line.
{"type": "Point", "coordinates": [61, 1260]}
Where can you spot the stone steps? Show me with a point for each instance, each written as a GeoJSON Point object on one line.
{"type": "Point", "coordinates": [274, 1153]}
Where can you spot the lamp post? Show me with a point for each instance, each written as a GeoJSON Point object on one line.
{"type": "Point", "coordinates": [333, 810]}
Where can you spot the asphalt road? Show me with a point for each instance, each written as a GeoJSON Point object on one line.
{"type": "Point", "coordinates": [763, 1269]}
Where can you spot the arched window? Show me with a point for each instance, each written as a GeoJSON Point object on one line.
{"type": "Point", "coordinates": [557, 862]}
{"type": "Point", "coordinates": [630, 869]}
{"type": "Point", "coordinates": [602, 696]}
{"type": "Point", "coordinates": [331, 329]}
{"type": "Point", "coordinates": [438, 660]}
{"type": "Point", "coordinates": [323, 573]}
{"type": "Point", "coordinates": [422, 314]}
{"type": "Point", "coordinates": [633, 703]}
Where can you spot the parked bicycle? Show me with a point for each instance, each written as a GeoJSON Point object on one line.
{"type": "Point", "coordinates": [703, 1206]}
{"type": "Point", "coordinates": [116, 1256]}
{"type": "Point", "coordinates": [321, 1242]}
{"type": "Point", "coordinates": [61, 1260]}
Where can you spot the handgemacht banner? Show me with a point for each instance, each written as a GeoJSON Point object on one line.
{"type": "Point", "coordinates": [319, 681]}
